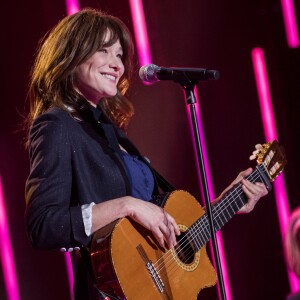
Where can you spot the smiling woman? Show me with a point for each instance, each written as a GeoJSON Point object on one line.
{"type": "Point", "coordinates": [85, 174]}
{"type": "Point", "coordinates": [73, 42]}
{"type": "Point", "coordinates": [98, 76]}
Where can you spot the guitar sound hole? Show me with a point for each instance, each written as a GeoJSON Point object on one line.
{"type": "Point", "coordinates": [184, 249]}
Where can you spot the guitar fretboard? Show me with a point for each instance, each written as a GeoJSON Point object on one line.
{"type": "Point", "coordinates": [199, 233]}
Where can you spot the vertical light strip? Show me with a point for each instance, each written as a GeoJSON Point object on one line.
{"type": "Point", "coordinates": [140, 32]}
{"type": "Point", "coordinates": [6, 254]}
{"type": "Point", "coordinates": [290, 23]}
{"type": "Point", "coordinates": [267, 114]}
{"type": "Point", "coordinates": [212, 195]}
{"type": "Point", "coordinates": [72, 6]}
{"type": "Point", "coordinates": [70, 272]}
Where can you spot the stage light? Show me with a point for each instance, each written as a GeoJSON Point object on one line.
{"type": "Point", "coordinates": [290, 23]}
{"type": "Point", "coordinates": [269, 125]}
{"type": "Point", "coordinates": [6, 253]}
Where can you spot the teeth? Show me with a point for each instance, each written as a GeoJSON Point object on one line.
{"type": "Point", "coordinates": [111, 77]}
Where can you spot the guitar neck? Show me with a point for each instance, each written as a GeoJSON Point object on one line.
{"type": "Point", "coordinates": [223, 210]}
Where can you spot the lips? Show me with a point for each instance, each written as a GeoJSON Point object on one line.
{"type": "Point", "coordinates": [109, 76]}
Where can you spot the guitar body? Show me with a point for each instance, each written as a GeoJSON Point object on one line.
{"type": "Point", "coordinates": [121, 251]}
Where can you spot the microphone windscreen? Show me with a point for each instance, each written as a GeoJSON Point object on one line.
{"type": "Point", "coordinates": [148, 73]}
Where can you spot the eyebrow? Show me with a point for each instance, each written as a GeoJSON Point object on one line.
{"type": "Point", "coordinates": [120, 49]}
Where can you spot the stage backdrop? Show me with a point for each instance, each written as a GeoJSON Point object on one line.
{"type": "Point", "coordinates": [194, 33]}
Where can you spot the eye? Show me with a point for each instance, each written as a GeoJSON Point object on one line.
{"type": "Point", "coordinates": [104, 50]}
{"type": "Point", "coordinates": [120, 55]}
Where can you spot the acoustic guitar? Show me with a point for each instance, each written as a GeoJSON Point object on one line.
{"type": "Point", "coordinates": [128, 263]}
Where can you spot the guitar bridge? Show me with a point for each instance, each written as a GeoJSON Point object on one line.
{"type": "Point", "coordinates": [151, 269]}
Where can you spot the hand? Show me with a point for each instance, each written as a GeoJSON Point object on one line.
{"type": "Point", "coordinates": [156, 219]}
{"type": "Point", "coordinates": [253, 191]}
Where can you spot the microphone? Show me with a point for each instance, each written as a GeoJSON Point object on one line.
{"type": "Point", "coordinates": [153, 73]}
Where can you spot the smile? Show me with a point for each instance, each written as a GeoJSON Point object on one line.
{"type": "Point", "coordinates": [108, 76]}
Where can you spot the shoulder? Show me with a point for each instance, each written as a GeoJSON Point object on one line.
{"type": "Point", "coordinates": [51, 125]}
{"type": "Point", "coordinates": [54, 114]}
{"type": "Point", "coordinates": [54, 117]}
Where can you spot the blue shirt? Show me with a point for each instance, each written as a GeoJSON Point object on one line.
{"type": "Point", "coordinates": [140, 177]}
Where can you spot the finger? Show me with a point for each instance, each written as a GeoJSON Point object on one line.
{"type": "Point", "coordinates": [159, 236]}
{"type": "Point", "coordinates": [174, 224]}
{"type": "Point", "coordinates": [242, 175]}
{"type": "Point", "coordinates": [170, 220]}
{"type": "Point", "coordinates": [250, 186]}
{"type": "Point", "coordinates": [172, 236]}
{"type": "Point", "coordinates": [246, 172]}
{"type": "Point", "coordinates": [262, 188]}
{"type": "Point", "coordinates": [258, 189]}
{"type": "Point", "coordinates": [251, 201]}
{"type": "Point", "coordinates": [169, 235]}
{"type": "Point", "coordinates": [249, 193]}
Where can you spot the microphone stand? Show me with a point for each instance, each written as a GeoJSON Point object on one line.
{"type": "Point", "coordinates": [188, 87]}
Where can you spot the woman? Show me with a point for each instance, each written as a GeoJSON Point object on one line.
{"type": "Point", "coordinates": [85, 173]}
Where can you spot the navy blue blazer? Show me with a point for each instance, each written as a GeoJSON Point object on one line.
{"type": "Point", "coordinates": [73, 162]}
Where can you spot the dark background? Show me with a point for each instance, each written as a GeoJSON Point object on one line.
{"type": "Point", "coordinates": [196, 33]}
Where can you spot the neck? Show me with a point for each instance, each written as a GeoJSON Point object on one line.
{"type": "Point", "coordinates": [222, 211]}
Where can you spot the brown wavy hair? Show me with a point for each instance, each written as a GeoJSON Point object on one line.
{"type": "Point", "coordinates": [72, 41]}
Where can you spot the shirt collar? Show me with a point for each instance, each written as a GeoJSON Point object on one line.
{"type": "Point", "coordinates": [93, 114]}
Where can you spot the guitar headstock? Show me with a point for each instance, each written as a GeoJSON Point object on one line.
{"type": "Point", "coordinates": [271, 156]}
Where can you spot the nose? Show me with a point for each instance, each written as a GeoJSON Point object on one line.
{"type": "Point", "coordinates": [115, 63]}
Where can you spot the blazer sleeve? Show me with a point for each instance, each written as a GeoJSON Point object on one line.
{"type": "Point", "coordinates": [52, 223]}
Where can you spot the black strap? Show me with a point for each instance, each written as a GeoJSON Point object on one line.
{"type": "Point", "coordinates": [163, 184]}
{"type": "Point", "coordinates": [111, 136]}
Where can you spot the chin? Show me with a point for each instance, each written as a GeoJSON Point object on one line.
{"type": "Point", "coordinates": [111, 94]}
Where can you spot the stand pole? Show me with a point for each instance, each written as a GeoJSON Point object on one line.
{"type": "Point", "coordinates": [191, 100]}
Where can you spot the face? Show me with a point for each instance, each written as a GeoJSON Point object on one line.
{"type": "Point", "coordinates": [98, 76]}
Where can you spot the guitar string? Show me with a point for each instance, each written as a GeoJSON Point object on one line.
{"type": "Point", "coordinates": [253, 176]}
{"type": "Point", "coordinates": [191, 253]}
{"type": "Point", "coordinates": [218, 209]}
{"type": "Point", "coordinates": [203, 223]}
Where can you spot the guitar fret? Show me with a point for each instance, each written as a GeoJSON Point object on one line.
{"type": "Point", "coordinates": [219, 220]}
{"type": "Point", "coordinates": [202, 236]}
{"type": "Point", "coordinates": [222, 211]}
{"type": "Point", "coordinates": [200, 225]}
{"type": "Point", "coordinates": [231, 203]}
{"type": "Point", "coordinates": [192, 233]}
{"type": "Point", "coordinates": [206, 231]}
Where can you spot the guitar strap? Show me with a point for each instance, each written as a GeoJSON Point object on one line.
{"type": "Point", "coordinates": [161, 182]}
